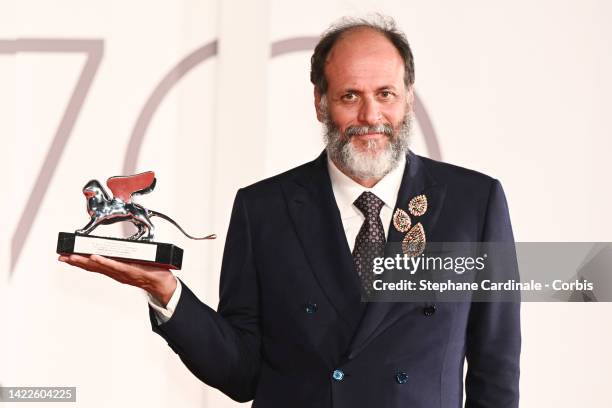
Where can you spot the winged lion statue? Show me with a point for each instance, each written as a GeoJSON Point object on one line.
{"type": "Point", "coordinates": [105, 209]}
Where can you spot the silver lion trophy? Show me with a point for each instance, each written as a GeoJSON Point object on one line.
{"type": "Point", "coordinates": [105, 209]}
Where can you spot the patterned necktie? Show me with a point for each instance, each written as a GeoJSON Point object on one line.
{"type": "Point", "coordinates": [370, 241]}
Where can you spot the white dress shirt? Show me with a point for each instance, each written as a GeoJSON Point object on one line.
{"type": "Point", "coordinates": [346, 191]}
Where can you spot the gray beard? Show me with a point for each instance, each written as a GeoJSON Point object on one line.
{"type": "Point", "coordinates": [371, 163]}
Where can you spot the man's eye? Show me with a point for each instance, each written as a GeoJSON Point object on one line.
{"type": "Point", "coordinates": [349, 97]}
{"type": "Point", "coordinates": [386, 94]}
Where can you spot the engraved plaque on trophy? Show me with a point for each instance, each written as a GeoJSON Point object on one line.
{"type": "Point", "coordinates": [106, 209]}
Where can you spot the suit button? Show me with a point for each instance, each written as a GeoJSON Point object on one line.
{"type": "Point", "coordinates": [338, 375]}
{"type": "Point", "coordinates": [310, 308]}
{"type": "Point", "coordinates": [429, 310]}
{"type": "Point", "coordinates": [401, 377]}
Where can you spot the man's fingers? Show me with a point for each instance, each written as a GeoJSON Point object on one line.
{"type": "Point", "coordinates": [80, 263]}
{"type": "Point", "coordinates": [147, 277]}
{"type": "Point", "coordinates": [76, 260]}
{"type": "Point", "coordinates": [124, 272]}
{"type": "Point", "coordinates": [111, 263]}
{"type": "Point", "coordinates": [97, 263]}
{"type": "Point", "coordinates": [79, 260]}
{"type": "Point", "coordinates": [84, 262]}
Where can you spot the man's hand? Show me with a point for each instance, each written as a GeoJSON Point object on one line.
{"type": "Point", "coordinates": [159, 282]}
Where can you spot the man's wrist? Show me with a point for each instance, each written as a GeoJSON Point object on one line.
{"type": "Point", "coordinates": [163, 289]}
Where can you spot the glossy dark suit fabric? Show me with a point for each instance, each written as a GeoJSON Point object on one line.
{"type": "Point", "coordinates": [290, 311]}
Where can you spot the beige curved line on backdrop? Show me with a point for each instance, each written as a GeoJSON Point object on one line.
{"type": "Point", "coordinates": [162, 89]}
{"type": "Point", "coordinates": [94, 50]}
{"type": "Point", "coordinates": [150, 107]}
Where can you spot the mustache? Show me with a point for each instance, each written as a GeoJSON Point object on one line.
{"type": "Point", "coordinates": [383, 128]}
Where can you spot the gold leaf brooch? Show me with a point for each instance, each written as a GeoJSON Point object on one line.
{"type": "Point", "coordinates": [414, 241]}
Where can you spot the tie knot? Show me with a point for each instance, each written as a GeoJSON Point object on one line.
{"type": "Point", "coordinates": [369, 204]}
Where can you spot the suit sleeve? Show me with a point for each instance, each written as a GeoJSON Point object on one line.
{"type": "Point", "coordinates": [222, 348]}
{"type": "Point", "coordinates": [494, 335]}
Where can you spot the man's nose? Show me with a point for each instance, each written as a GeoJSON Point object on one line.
{"type": "Point", "coordinates": [369, 112]}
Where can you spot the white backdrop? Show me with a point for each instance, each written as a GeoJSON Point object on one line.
{"type": "Point", "coordinates": [215, 95]}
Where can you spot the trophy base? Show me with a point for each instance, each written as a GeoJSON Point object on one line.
{"type": "Point", "coordinates": [149, 253]}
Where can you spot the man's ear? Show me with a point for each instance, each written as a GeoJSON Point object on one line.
{"type": "Point", "coordinates": [317, 104]}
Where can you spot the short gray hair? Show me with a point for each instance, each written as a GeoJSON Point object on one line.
{"type": "Point", "coordinates": [378, 22]}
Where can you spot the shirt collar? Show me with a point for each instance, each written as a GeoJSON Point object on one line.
{"type": "Point", "coordinates": [346, 190]}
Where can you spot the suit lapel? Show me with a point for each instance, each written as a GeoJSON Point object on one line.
{"type": "Point", "coordinates": [416, 180]}
{"type": "Point", "coordinates": [317, 220]}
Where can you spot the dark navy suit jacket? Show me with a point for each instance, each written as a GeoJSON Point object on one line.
{"type": "Point", "coordinates": [290, 314]}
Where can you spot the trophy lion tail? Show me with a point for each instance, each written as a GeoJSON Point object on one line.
{"type": "Point", "coordinates": [170, 220]}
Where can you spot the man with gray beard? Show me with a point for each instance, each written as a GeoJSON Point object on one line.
{"type": "Point", "coordinates": [364, 164]}
{"type": "Point", "coordinates": [291, 329]}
